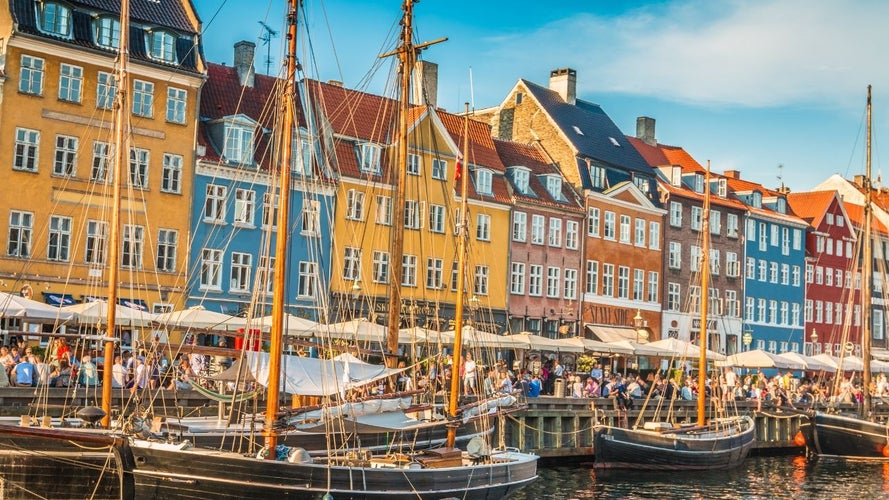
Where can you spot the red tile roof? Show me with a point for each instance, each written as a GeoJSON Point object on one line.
{"type": "Point", "coordinates": [525, 155]}
{"type": "Point", "coordinates": [856, 216]}
{"type": "Point", "coordinates": [811, 206]}
{"type": "Point", "coordinates": [653, 155]}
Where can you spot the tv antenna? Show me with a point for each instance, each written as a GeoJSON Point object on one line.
{"type": "Point", "coordinates": [267, 34]}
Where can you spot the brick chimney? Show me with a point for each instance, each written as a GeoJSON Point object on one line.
{"type": "Point", "coordinates": [244, 53]}
{"type": "Point", "coordinates": [732, 174]}
{"type": "Point", "coordinates": [645, 130]}
{"type": "Point", "coordinates": [564, 81]}
{"type": "Point", "coordinates": [425, 84]}
{"type": "Point", "coordinates": [860, 181]}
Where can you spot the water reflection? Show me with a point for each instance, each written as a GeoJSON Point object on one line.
{"type": "Point", "coordinates": [780, 477]}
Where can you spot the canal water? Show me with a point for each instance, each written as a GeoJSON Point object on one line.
{"type": "Point", "coordinates": [761, 477]}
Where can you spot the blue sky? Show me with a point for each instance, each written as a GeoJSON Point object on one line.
{"type": "Point", "coordinates": [747, 84]}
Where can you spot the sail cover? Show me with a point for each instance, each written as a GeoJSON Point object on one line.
{"type": "Point", "coordinates": [318, 377]}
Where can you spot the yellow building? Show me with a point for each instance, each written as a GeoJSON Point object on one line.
{"type": "Point", "coordinates": [362, 126]}
{"type": "Point", "coordinates": [57, 87]}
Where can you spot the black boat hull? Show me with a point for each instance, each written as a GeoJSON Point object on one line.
{"type": "Point", "coordinates": [832, 435]}
{"type": "Point", "coordinates": [617, 448]}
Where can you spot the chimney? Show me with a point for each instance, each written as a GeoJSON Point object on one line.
{"type": "Point", "coordinates": [859, 181]}
{"type": "Point", "coordinates": [244, 52]}
{"type": "Point", "coordinates": [732, 174]}
{"type": "Point", "coordinates": [645, 130]}
{"type": "Point", "coordinates": [425, 84]}
{"type": "Point", "coordinates": [564, 81]}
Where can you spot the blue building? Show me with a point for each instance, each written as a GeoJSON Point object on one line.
{"type": "Point", "coordinates": [234, 212]}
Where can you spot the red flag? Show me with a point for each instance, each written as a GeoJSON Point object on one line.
{"type": "Point", "coordinates": [458, 170]}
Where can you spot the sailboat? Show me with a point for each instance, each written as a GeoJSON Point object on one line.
{"type": "Point", "coordinates": [831, 434]}
{"type": "Point", "coordinates": [717, 443]}
{"type": "Point", "coordinates": [178, 470]}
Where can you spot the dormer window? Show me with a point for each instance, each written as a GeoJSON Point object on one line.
{"type": "Point", "coordinates": [483, 181]}
{"type": "Point", "coordinates": [756, 199]}
{"type": "Point", "coordinates": [108, 32]}
{"type": "Point", "coordinates": [554, 186]}
{"type": "Point", "coordinates": [698, 183]}
{"type": "Point", "coordinates": [781, 205]}
{"type": "Point", "coordinates": [162, 44]}
{"type": "Point", "coordinates": [676, 175]}
{"type": "Point", "coordinates": [722, 188]}
{"type": "Point", "coordinates": [56, 19]}
{"type": "Point", "coordinates": [521, 177]}
{"type": "Point", "coordinates": [238, 144]}
{"type": "Point", "coordinates": [369, 158]}
{"type": "Point", "coordinates": [597, 176]}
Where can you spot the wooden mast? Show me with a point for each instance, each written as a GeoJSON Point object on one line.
{"type": "Point", "coordinates": [463, 233]}
{"type": "Point", "coordinates": [407, 57]}
{"type": "Point", "coordinates": [867, 271]}
{"type": "Point", "coordinates": [121, 155]}
{"type": "Point", "coordinates": [704, 298]}
{"type": "Point", "coordinates": [279, 284]}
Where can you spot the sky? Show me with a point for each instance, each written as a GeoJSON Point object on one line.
{"type": "Point", "coordinates": [746, 84]}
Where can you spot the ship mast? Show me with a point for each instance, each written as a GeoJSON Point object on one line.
{"type": "Point", "coordinates": [704, 298]}
{"type": "Point", "coordinates": [285, 139]}
{"type": "Point", "coordinates": [867, 271]}
{"type": "Point", "coordinates": [121, 155]}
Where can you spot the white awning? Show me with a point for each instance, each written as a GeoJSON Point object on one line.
{"type": "Point", "coordinates": [615, 333]}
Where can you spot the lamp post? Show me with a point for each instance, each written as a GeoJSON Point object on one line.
{"type": "Point", "coordinates": [356, 295]}
{"type": "Point", "coordinates": [638, 322]}
{"type": "Point", "coordinates": [747, 339]}
{"type": "Point", "coordinates": [814, 339]}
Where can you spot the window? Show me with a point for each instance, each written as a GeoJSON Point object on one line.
{"type": "Point", "coordinates": [413, 216]}
{"type": "Point", "coordinates": [748, 308]}
{"type": "Point", "coordinates": [654, 235]}
{"type": "Point", "coordinates": [694, 298]}
{"type": "Point", "coordinates": [675, 214]}
{"type": "Point", "coordinates": [592, 277]}
{"type": "Point", "coordinates": [652, 286]}
{"type": "Point", "coordinates": [311, 218]}
{"type": "Point", "coordinates": [809, 310]}
{"type": "Point", "coordinates": [674, 300]}
{"type": "Point", "coordinates": [384, 210]}
{"type": "Point", "coordinates": [439, 169]}
{"type": "Point", "coordinates": [211, 267]}
{"type": "Point", "coordinates": [245, 206]}
{"type": "Point", "coordinates": [240, 272]}
{"type": "Point", "coordinates": [437, 219]}
{"type": "Point", "coordinates": [483, 227]}
{"type": "Point", "coordinates": [308, 278]}
{"type": "Point", "coordinates": [570, 283]}
{"type": "Point", "coordinates": [773, 311]}
{"type": "Point", "coordinates": [31, 75]}
{"type": "Point", "coordinates": [265, 274]}
{"type": "Point", "coordinates": [572, 228]}
{"type": "Point", "coordinates": [732, 266]}
{"type": "Point", "coordinates": [714, 262]}
{"type": "Point", "coordinates": [380, 267]}
{"type": "Point", "coordinates": [96, 239]}
{"type": "Point", "coordinates": [238, 144]}
{"type": "Point", "coordinates": [761, 310]}
{"type": "Point", "coordinates": [625, 229]}
{"type": "Point", "coordinates": [623, 282]}
{"type": "Point", "coordinates": [608, 280]}
{"type": "Point", "coordinates": [18, 244]}
{"type": "Point", "coordinates": [519, 226]}
{"type": "Point", "coordinates": [143, 98]}
{"type": "Point", "coordinates": [269, 210]}
{"type": "Point", "coordinates": [675, 256]}
{"type": "Point", "coordinates": [535, 280]}
{"type": "Point", "coordinates": [597, 176]}
{"type": "Point", "coordinates": [354, 205]}
{"type": "Point", "coordinates": [133, 241]}
{"type": "Point", "coordinates": [638, 284]}
{"type": "Point", "coordinates": [214, 204]}
{"type": "Point", "coordinates": [70, 82]}
{"type": "Point", "coordinates": [58, 245]}
{"type": "Point", "coordinates": [369, 158]}
{"type": "Point", "coordinates": [139, 168]}
{"type": "Point", "coordinates": [413, 164]}
{"type": "Point", "coordinates": [731, 225]}
{"type": "Point", "coordinates": [732, 305]}
{"type": "Point", "coordinates": [640, 233]}
{"type": "Point", "coordinates": [101, 161]}
{"type": "Point", "coordinates": [593, 223]}
{"type": "Point", "coordinates": [819, 275]}
{"type": "Point", "coordinates": [483, 179]}
{"type": "Point", "coordinates": [785, 241]}
{"type": "Point", "coordinates": [553, 279]}
{"type": "Point", "coordinates": [171, 177]}
{"type": "Point", "coordinates": [27, 144]}
{"type": "Point", "coordinates": [608, 233]}
{"type": "Point", "coordinates": [763, 266]}
{"type": "Point", "coordinates": [537, 228]}
{"type": "Point", "coordinates": [763, 236]}
{"type": "Point", "coordinates": [352, 264]}
{"type": "Point", "coordinates": [434, 272]}
{"type": "Point", "coordinates": [773, 272]}
{"type": "Point", "coordinates": [108, 32]}
{"type": "Point", "coordinates": [554, 187]}
{"type": "Point", "coordinates": [65, 162]}
{"type": "Point", "coordinates": [774, 238]}
{"type": "Point", "coordinates": [555, 232]}
{"type": "Point", "coordinates": [176, 99]}
{"type": "Point", "coordinates": [751, 268]}
{"type": "Point", "coordinates": [481, 280]}
{"type": "Point", "coordinates": [785, 310]}
{"type": "Point", "coordinates": [715, 222]}
{"type": "Point", "coordinates": [695, 262]}
{"type": "Point", "coordinates": [106, 88]}
{"type": "Point", "coordinates": [162, 44]}
{"type": "Point", "coordinates": [520, 177]}
{"type": "Point", "coordinates": [56, 19]}
{"type": "Point", "coordinates": [454, 275]}
{"type": "Point", "coordinates": [409, 270]}
{"type": "Point", "coordinates": [795, 276]}
{"type": "Point", "coordinates": [798, 240]}
{"type": "Point", "coordinates": [167, 240]}
{"type": "Point", "coordinates": [697, 218]}
{"type": "Point", "coordinates": [517, 278]}
{"type": "Point", "coordinates": [785, 274]}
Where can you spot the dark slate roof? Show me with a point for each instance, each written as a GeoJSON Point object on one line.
{"type": "Point", "coordinates": [169, 13]}
{"type": "Point", "coordinates": [597, 128]}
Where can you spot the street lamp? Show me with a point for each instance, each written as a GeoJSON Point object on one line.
{"type": "Point", "coordinates": [638, 322]}
{"type": "Point", "coordinates": [814, 338]}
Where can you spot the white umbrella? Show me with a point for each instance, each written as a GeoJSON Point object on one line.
{"type": "Point", "coordinates": [473, 337]}
{"type": "Point", "coordinates": [14, 306]}
{"type": "Point", "coordinates": [200, 318]}
{"type": "Point", "coordinates": [762, 359]}
{"type": "Point", "coordinates": [685, 349]}
{"type": "Point", "coordinates": [590, 345]}
{"type": "Point", "coordinates": [96, 312]}
{"type": "Point", "coordinates": [358, 330]}
{"type": "Point", "coordinates": [539, 343]}
{"type": "Point", "coordinates": [812, 364]}
{"type": "Point", "coordinates": [849, 363]}
{"type": "Point", "coordinates": [642, 349]}
{"type": "Point", "coordinates": [293, 325]}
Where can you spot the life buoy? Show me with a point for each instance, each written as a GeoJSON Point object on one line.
{"type": "Point", "coordinates": [799, 439]}
{"type": "Point", "coordinates": [27, 292]}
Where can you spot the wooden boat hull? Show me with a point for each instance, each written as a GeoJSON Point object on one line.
{"type": "Point", "coordinates": [832, 435]}
{"type": "Point", "coordinates": [617, 448]}
{"type": "Point", "coordinates": [164, 472]}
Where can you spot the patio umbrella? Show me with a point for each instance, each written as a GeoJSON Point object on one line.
{"type": "Point", "coordinates": [473, 337]}
{"type": "Point", "coordinates": [811, 363]}
{"type": "Point", "coordinates": [293, 325]}
{"type": "Point", "coordinates": [849, 363]}
{"type": "Point", "coordinates": [96, 313]}
{"type": "Point", "coordinates": [14, 306]}
{"type": "Point", "coordinates": [536, 342]}
{"type": "Point", "coordinates": [685, 349]}
{"type": "Point", "coordinates": [200, 318]}
{"type": "Point", "coordinates": [643, 349]}
{"type": "Point", "coordinates": [590, 345]}
{"type": "Point", "coordinates": [761, 359]}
